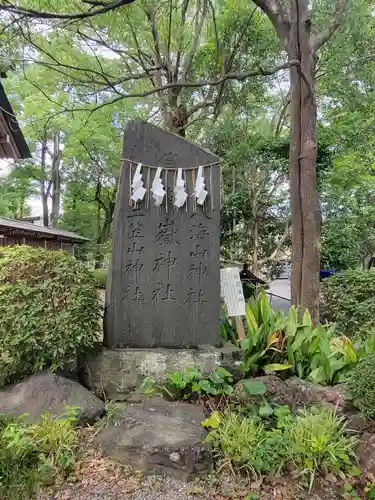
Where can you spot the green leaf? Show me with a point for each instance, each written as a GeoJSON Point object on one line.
{"type": "Point", "coordinates": [354, 471]}
{"type": "Point", "coordinates": [291, 323]}
{"type": "Point", "coordinates": [265, 409]}
{"type": "Point", "coordinates": [213, 420]}
{"type": "Point", "coordinates": [254, 387]}
{"type": "Point", "coordinates": [277, 367]}
{"type": "Point", "coordinates": [205, 386]}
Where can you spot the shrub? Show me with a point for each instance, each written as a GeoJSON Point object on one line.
{"type": "Point", "coordinates": [49, 309]}
{"type": "Point", "coordinates": [30, 454]}
{"type": "Point", "coordinates": [348, 300]}
{"type": "Point", "coordinates": [362, 386]}
{"type": "Point", "coordinates": [100, 276]}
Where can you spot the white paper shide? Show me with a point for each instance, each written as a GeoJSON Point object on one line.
{"type": "Point", "coordinates": [199, 191]}
{"type": "Point", "coordinates": [180, 194]}
{"type": "Point", "coordinates": [138, 191]}
{"type": "Point", "coordinates": [157, 188]}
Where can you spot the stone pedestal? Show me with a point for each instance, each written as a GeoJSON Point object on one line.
{"type": "Point", "coordinates": [117, 374]}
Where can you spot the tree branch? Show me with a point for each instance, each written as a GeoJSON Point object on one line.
{"type": "Point", "coordinates": [35, 14]}
{"type": "Point", "coordinates": [196, 37]}
{"type": "Point", "coordinates": [278, 17]}
{"type": "Point", "coordinates": [205, 83]}
{"type": "Point", "coordinates": [321, 38]}
{"type": "Point", "coordinates": [279, 244]}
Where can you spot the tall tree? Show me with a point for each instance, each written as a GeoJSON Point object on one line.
{"type": "Point", "coordinates": [294, 27]}
{"type": "Point", "coordinates": [187, 57]}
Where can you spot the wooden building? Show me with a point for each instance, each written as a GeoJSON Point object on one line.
{"type": "Point", "coordinates": [12, 141]}
{"type": "Point", "coordinates": [19, 232]}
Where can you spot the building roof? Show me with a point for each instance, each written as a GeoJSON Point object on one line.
{"type": "Point", "coordinates": [28, 227]}
{"type": "Point", "coordinates": [12, 141]}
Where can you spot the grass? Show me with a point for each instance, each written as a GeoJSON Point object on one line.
{"type": "Point", "coordinates": [315, 440]}
{"type": "Point", "coordinates": [32, 454]}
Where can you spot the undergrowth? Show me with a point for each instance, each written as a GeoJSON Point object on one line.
{"type": "Point", "coordinates": [32, 454]}
{"type": "Point", "coordinates": [313, 441]}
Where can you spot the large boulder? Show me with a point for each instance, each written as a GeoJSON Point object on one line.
{"type": "Point", "coordinates": [157, 437]}
{"type": "Point", "coordinates": [47, 391]}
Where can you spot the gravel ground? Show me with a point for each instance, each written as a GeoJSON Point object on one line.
{"type": "Point", "coordinates": [99, 478]}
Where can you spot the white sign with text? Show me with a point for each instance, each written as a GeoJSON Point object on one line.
{"type": "Point", "coordinates": [232, 292]}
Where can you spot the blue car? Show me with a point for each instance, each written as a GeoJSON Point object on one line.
{"type": "Point", "coordinates": [326, 273]}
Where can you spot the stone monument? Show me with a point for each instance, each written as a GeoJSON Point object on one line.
{"type": "Point", "coordinates": [163, 289]}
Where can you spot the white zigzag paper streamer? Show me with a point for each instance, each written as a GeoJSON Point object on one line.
{"type": "Point", "coordinates": [138, 191]}
{"type": "Point", "coordinates": [180, 194]}
{"type": "Point", "coordinates": [157, 188]}
{"type": "Point", "coordinates": [199, 191]}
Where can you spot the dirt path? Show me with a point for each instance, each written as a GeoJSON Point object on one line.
{"type": "Point", "coordinates": [99, 478]}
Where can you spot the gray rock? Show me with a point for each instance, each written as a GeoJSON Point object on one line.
{"type": "Point", "coordinates": [117, 373]}
{"type": "Point", "coordinates": [296, 392]}
{"type": "Point", "coordinates": [275, 387]}
{"type": "Point", "coordinates": [366, 453]}
{"type": "Point", "coordinates": [306, 392]}
{"type": "Point", "coordinates": [47, 391]}
{"type": "Point", "coordinates": [157, 437]}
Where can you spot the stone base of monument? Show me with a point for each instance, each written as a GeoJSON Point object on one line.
{"type": "Point", "coordinates": [158, 437]}
{"type": "Point", "coordinates": [117, 374]}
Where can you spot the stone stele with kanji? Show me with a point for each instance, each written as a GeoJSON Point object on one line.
{"type": "Point", "coordinates": [164, 283]}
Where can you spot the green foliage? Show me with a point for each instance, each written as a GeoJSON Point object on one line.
{"type": "Point", "coordinates": [362, 386]}
{"type": "Point", "coordinates": [192, 384]}
{"type": "Point", "coordinates": [314, 440]}
{"type": "Point", "coordinates": [49, 309]}
{"type": "Point", "coordinates": [32, 454]}
{"type": "Point", "coordinates": [100, 276]}
{"type": "Point", "coordinates": [245, 445]}
{"type": "Point", "coordinates": [254, 170]}
{"type": "Point", "coordinates": [319, 442]}
{"type": "Point", "coordinates": [228, 331]}
{"type": "Point", "coordinates": [275, 342]}
{"type": "Point", "coordinates": [348, 235]}
{"type": "Point", "coordinates": [348, 300]}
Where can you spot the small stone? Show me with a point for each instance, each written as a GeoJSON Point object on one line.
{"type": "Point", "coordinates": [174, 457]}
{"type": "Point", "coordinates": [331, 478]}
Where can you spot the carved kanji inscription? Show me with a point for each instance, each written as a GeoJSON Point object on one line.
{"type": "Point", "coordinates": [165, 269]}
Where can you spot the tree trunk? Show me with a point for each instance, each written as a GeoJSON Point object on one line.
{"type": "Point", "coordinates": [56, 180]}
{"type": "Point", "coordinates": [302, 165]}
{"type": "Point", "coordinates": [43, 189]}
{"type": "Point", "coordinates": [293, 27]}
{"type": "Point", "coordinates": [175, 120]}
{"type": "Point", "coordinates": [255, 238]}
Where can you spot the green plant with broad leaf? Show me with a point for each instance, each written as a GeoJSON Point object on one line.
{"type": "Point", "coordinates": [276, 342]}
{"type": "Point", "coordinates": [228, 331]}
{"type": "Point", "coordinates": [258, 406]}
{"type": "Point", "coordinates": [191, 384]}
